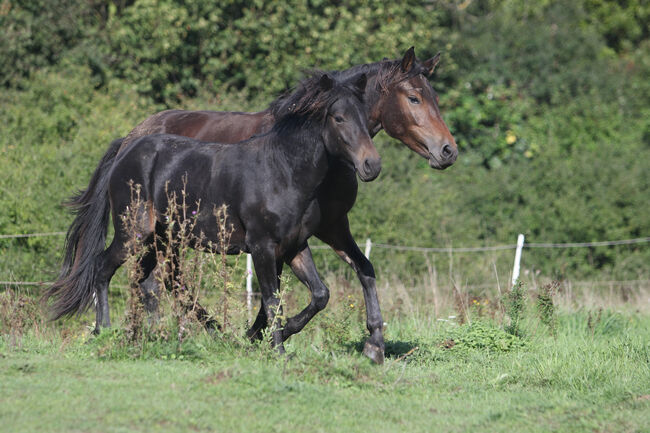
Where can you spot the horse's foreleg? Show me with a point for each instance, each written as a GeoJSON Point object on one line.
{"type": "Point", "coordinates": [261, 322]}
{"type": "Point", "coordinates": [338, 236]}
{"type": "Point", "coordinates": [303, 267]}
{"type": "Point", "coordinates": [266, 268]}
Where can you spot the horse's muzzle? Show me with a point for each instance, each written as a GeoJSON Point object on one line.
{"type": "Point", "coordinates": [446, 157]}
{"type": "Point", "coordinates": [369, 169]}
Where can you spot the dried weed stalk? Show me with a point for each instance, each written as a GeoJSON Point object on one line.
{"type": "Point", "coordinates": [19, 314]}
{"type": "Point", "coordinates": [460, 304]}
{"type": "Point", "coordinates": [180, 263]}
{"type": "Point", "coordinates": [132, 219]}
{"type": "Point", "coordinates": [184, 257]}
{"type": "Point", "coordinates": [515, 305]}
{"type": "Point", "coordinates": [546, 307]}
{"type": "Point", "coordinates": [223, 277]}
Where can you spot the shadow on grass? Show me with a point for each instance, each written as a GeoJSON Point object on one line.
{"type": "Point", "coordinates": [393, 349]}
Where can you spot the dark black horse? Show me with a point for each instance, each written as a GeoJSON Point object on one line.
{"type": "Point", "coordinates": [268, 184]}
{"type": "Point", "coordinates": [398, 98]}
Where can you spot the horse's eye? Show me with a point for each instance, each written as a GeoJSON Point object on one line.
{"type": "Point", "coordinates": [338, 119]}
{"type": "Point", "coordinates": [414, 100]}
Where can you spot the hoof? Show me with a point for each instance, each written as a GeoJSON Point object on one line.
{"type": "Point", "coordinates": [375, 353]}
{"type": "Point", "coordinates": [96, 331]}
{"type": "Point", "coordinates": [212, 326]}
{"type": "Point", "coordinates": [153, 319]}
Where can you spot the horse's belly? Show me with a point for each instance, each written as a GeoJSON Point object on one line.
{"type": "Point", "coordinates": [220, 232]}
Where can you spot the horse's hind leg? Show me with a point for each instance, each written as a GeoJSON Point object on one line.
{"type": "Point", "coordinates": [303, 267]}
{"type": "Point", "coordinates": [149, 287]}
{"type": "Point", "coordinates": [172, 278]}
{"type": "Point", "coordinates": [108, 262]}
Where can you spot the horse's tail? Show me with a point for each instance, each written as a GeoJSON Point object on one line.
{"type": "Point", "coordinates": [73, 290]}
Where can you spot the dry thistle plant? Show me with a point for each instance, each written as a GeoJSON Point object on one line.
{"type": "Point", "coordinates": [180, 269]}
{"type": "Point", "coordinates": [593, 321]}
{"type": "Point", "coordinates": [460, 304]}
{"type": "Point", "coordinates": [18, 314]}
{"type": "Point", "coordinates": [230, 308]}
{"type": "Point", "coordinates": [131, 219]}
{"type": "Point", "coordinates": [515, 305]}
{"type": "Point", "coordinates": [546, 307]}
{"type": "Point", "coordinates": [184, 258]}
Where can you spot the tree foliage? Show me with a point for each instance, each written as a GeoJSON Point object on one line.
{"type": "Point", "coordinates": [548, 102]}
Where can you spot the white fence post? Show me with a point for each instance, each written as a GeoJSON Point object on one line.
{"type": "Point", "coordinates": [368, 247]}
{"type": "Point", "coordinates": [249, 286]}
{"type": "Point", "coordinates": [515, 269]}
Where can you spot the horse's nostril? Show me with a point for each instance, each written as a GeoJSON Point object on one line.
{"type": "Point", "coordinates": [371, 166]}
{"type": "Point", "coordinates": [447, 151]}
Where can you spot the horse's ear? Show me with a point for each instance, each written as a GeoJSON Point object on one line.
{"type": "Point", "coordinates": [430, 65]}
{"type": "Point", "coordinates": [326, 82]}
{"type": "Point", "coordinates": [361, 82]}
{"type": "Point", "coordinates": [408, 60]}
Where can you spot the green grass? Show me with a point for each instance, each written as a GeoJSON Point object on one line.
{"type": "Point", "coordinates": [593, 376]}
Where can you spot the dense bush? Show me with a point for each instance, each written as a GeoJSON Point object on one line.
{"type": "Point", "coordinates": [171, 48]}
{"type": "Point", "coordinates": [38, 33]}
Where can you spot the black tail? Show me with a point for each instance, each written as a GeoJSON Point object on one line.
{"type": "Point", "coordinates": [73, 291]}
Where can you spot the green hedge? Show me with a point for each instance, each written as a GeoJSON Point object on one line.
{"type": "Point", "coordinates": [547, 101]}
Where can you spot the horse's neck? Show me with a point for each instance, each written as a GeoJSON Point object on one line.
{"type": "Point", "coordinates": [372, 101]}
{"type": "Point", "coordinates": [302, 152]}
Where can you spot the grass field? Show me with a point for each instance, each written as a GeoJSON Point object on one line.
{"type": "Point", "coordinates": [592, 376]}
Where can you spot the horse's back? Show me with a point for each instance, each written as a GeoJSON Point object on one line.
{"type": "Point", "coordinates": [212, 126]}
{"type": "Point", "coordinates": [164, 163]}
{"type": "Point", "coordinates": [143, 157]}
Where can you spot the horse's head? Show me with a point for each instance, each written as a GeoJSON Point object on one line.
{"type": "Point", "coordinates": [409, 111]}
{"type": "Point", "coordinates": [346, 127]}
{"type": "Point", "coordinates": [337, 106]}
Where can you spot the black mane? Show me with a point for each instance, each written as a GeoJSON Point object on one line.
{"type": "Point", "coordinates": [388, 72]}
{"type": "Point", "coordinates": [309, 101]}
{"type": "Point", "coordinates": [307, 97]}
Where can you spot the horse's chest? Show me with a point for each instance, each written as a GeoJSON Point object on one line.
{"type": "Point", "coordinates": [337, 194]}
{"type": "Point", "coordinates": [300, 221]}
